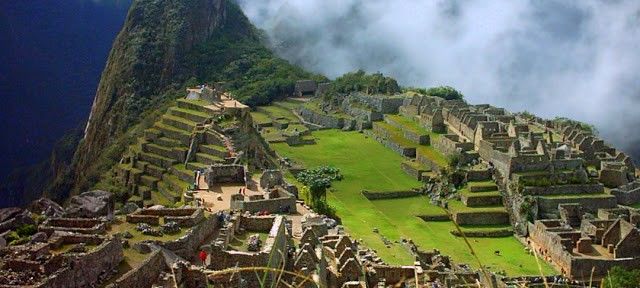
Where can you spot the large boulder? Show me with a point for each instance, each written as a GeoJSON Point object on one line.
{"type": "Point", "coordinates": [13, 217]}
{"type": "Point", "coordinates": [47, 207]}
{"type": "Point", "coordinates": [91, 204]}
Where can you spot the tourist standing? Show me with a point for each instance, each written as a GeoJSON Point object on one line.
{"type": "Point", "coordinates": [203, 258]}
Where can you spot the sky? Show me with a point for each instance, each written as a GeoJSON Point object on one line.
{"type": "Point", "coordinates": [51, 57]}
{"type": "Point", "coordinates": [576, 59]}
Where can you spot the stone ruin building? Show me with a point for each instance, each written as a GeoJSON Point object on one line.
{"type": "Point", "coordinates": [537, 165]}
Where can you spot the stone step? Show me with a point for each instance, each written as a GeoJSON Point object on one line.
{"type": "Point", "coordinates": [208, 159]}
{"type": "Point", "coordinates": [193, 105]}
{"type": "Point", "coordinates": [152, 133]}
{"type": "Point", "coordinates": [149, 181]}
{"type": "Point", "coordinates": [157, 149]}
{"type": "Point", "coordinates": [215, 150]}
{"type": "Point", "coordinates": [167, 142]}
{"type": "Point", "coordinates": [184, 174]}
{"type": "Point", "coordinates": [481, 217]}
{"type": "Point", "coordinates": [157, 160]}
{"type": "Point", "coordinates": [174, 133]}
{"type": "Point", "coordinates": [144, 192]}
{"type": "Point", "coordinates": [154, 170]}
{"type": "Point", "coordinates": [189, 114]}
{"type": "Point", "coordinates": [212, 138]}
{"type": "Point", "coordinates": [178, 122]}
{"type": "Point", "coordinates": [197, 166]}
{"type": "Point", "coordinates": [140, 165]}
{"type": "Point", "coordinates": [483, 187]}
{"type": "Point", "coordinates": [481, 199]}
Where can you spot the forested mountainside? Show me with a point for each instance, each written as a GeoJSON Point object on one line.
{"type": "Point", "coordinates": [163, 47]}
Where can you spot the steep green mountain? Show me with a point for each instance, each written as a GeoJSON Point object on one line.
{"type": "Point", "coordinates": [164, 47]}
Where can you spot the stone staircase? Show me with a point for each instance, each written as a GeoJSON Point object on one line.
{"type": "Point", "coordinates": [160, 172]}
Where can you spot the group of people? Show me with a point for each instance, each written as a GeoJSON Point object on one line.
{"type": "Point", "coordinates": [243, 191]}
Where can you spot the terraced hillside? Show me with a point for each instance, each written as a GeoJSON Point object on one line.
{"type": "Point", "coordinates": [184, 139]}
{"type": "Point", "coordinates": [278, 123]}
{"type": "Point", "coordinates": [405, 136]}
{"type": "Point", "coordinates": [480, 212]}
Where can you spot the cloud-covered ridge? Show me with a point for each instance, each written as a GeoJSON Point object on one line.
{"type": "Point", "coordinates": [577, 59]}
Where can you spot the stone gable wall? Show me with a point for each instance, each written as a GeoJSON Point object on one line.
{"type": "Point", "coordinates": [143, 275]}
{"type": "Point", "coordinates": [187, 245]}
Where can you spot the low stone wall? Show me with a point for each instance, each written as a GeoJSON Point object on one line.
{"type": "Point", "coordinates": [480, 200]}
{"type": "Point", "coordinates": [443, 217]}
{"type": "Point", "coordinates": [381, 136]}
{"type": "Point", "coordinates": [564, 189]}
{"type": "Point", "coordinates": [187, 221]}
{"type": "Point", "coordinates": [143, 275]}
{"type": "Point", "coordinates": [478, 175]}
{"type": "Point", "coordinates": [187, 245]}
{"type": "Point", "coordinates": [325, 120]}
{"type": "Point", "coordinates": [149, 219]}
{"type": "Point", "coordinates": [483, 233]}
{"type": "Point", "coordinates": [78, 225]}
{"type": "Point", "coordinates": [591, 205]}
{"type": "Point", "coordinates": [371, 195]}
{"type": "Point", "coordinates": [412, 171]}
{"type": "Point", "coordinates": [481, 218]}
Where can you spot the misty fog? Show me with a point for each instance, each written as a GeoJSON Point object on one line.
{"type": "Point", "coordinates": [577, 59]}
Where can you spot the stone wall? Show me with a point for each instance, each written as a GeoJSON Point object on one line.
{"type": "Point", "coordinates": [374, 195]}
{"type": "Point", "coordinates": [564, 189]}
{"type": "Point", "coordinates": [591, 205]}
{"type": "Point", "coordinates": [393, 275]}
{"type": "Point", "coordinates": [187, 245]}
{"type": "Point", "coordinates": [143, 275]}
{"type": "Point", "coordinates": [325, 120]}
{"type": "Point", "coordinates": [450, 144]}
{"type": "Point", "coordinates": [86, 269]}
{"type": "Point", "coordinates": [380, 103]}
{"type": "Point", "coordinates": [627, 194]}
{"type": "Point", "coordinates": [478, 175]}
{"type": "Point", "coordinates": [404, 151]}
{"type": "Point", "coordinates": [481, 218]}
{"type": "Point", "coordinates": [285, 203]}
{"type": "Point", "coordinates": [228, 173]}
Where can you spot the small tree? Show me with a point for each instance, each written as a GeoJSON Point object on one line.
{"type": "Point", "coordinates": [316, 182]}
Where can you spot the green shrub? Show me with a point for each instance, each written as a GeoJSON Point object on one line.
{"type": "Point", "coordinates": [446, 92]}
{"type": "Point", "coordinates": [620, 278]}
{"type": "Point", "coordinates": [26, 230]}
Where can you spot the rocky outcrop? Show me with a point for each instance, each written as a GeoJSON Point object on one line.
{"type": "Point", "coordinates": [46, 207]}
{"type": "Point", "coordinates": [90, 205]}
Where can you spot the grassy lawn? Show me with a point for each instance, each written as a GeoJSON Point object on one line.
{"type": "Point", "coordinates": [366, 164]}
{"type": "Point", "coordinates": [276, 112]}
{"type": "Point", "coordinates": [408, 123]}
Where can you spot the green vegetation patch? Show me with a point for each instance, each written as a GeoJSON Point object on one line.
{"type": "Point", "coordinates": [396, 218]}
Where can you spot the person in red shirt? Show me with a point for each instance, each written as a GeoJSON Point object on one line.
{"type": "Point", "coordinates": [203, 257]}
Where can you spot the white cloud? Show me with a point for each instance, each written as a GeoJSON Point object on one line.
{"type": "Point", "coordinates": [577, 58]}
